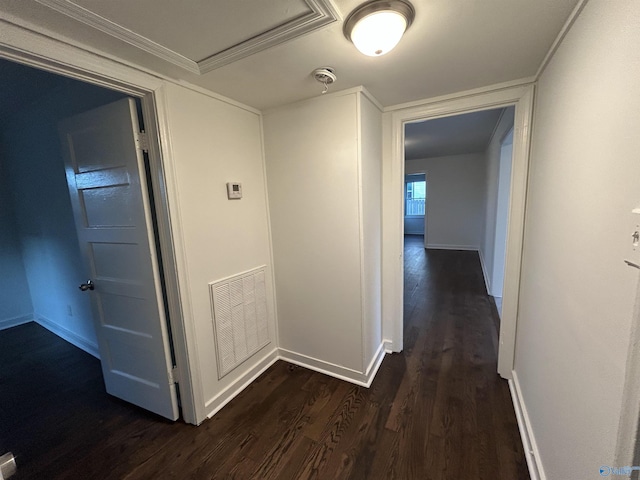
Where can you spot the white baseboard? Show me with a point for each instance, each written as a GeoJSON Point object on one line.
{"type": "Point", "coordinates": [71, 337]}
{"type": "Point", "coordinates": [389, 347]}
{"type": "Point", "coordinates": [15, 321]}
{"type": "Point", "coordinates": [439, 246]}
{"type": "Point", "coordinates": [487, 284]}
{"type": "Point", "coordinates": [531, 452]}
{"type": "Point", "coordinates": [363, 379]}
{"type": "Point", "coordinates": [225, 396]}
{"type": "Point", "coordinates": [374, 364]}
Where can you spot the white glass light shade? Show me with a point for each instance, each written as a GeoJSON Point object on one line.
{"type": "Point", "coordinates": [377, 33]}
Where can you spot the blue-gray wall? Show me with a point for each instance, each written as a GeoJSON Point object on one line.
{"type": "Point", "coordinates": [15, 299]}
{"type": "Point", "coordinates": [30, 149]}
{"type": "Point", "coordinates": [413, 225]}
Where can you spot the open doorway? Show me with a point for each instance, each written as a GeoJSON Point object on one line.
{"type": "Point", "coordinates": [42, 244]}
{"type": "Point", "coordinates": [467, 159]}
{"type": "Point", "coordinates": [42, 263]}
{"type": "Point", "coordinates": [520, 97]}
{"type": "Point", "coordinates": [450, 319]}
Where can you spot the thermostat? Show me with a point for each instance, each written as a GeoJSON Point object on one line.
{"type": "Point", "coordinates": [234, 190]}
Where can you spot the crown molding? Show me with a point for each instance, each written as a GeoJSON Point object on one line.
{"type": "Point", "coordinates": [323, 13]}
{"type": "Point", "coordinates": [463, 94]}
{"type": "Point", "coordinates": [81, 14]}
{"type": "Point", "coordinates": [573, 16]}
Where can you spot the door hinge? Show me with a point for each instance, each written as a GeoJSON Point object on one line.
{"type": "Point", "coordinates": [174, 375]}
{"type": "Point", "coordinates": [142, 141]}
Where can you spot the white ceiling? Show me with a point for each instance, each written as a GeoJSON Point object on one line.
{"type": "Point", "coordinates": [456, 135]}
{"type": "Point", "coordinates": [191, 32]}
{"type": "Point", "coordinates": [453, 45]}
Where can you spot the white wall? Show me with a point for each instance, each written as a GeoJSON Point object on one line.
{"type": "Point", "coordinates": [371, 206]}
{"type": "Point", "coordinates": [502, 215]}
{"type": "Point", "coordinates": [455, 199]}
{"type": "Point", "coordinates": [212, 143]}
{"type": "Point", "coordinates": [40, 199]}
{"type": "Point", "coordinates": [323, 161]}
{"type": "Point", "coordinates": [15, 299]}
{"type": "Point", "coordinates": [313, 193]}
{"type": "Point", "coordinates": [577, 295]}
{"type": "Point", "coordinates": [491, 221]}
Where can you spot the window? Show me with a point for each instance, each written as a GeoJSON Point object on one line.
{"type": "Point", "coordinates": [415, 195]}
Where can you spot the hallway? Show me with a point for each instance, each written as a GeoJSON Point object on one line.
{"type": "Point", "coordinates": [436, 411]}
{"type": "Point", "coordinates": [463, 414]}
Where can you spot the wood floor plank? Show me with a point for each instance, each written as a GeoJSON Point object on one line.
{"type": "Point", "coordinates": [331, 437]}
{"type": "Point", "coordinates": [285, 441]}
{"type": "Point", "coordinates": [436, 411]}
{"type": "Point", "coordinates": [342, 463]}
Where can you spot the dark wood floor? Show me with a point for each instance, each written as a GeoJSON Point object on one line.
{"type": "Point", "coordinates": [436, 411]}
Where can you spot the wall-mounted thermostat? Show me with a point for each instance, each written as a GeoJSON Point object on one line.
{"type": "Point", "coordinates": [234, 190]}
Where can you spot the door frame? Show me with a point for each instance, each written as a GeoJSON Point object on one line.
{"type": "Point", "coordinates": [25, 46]}
{"type": "Point", "coordinates": [395, 118]}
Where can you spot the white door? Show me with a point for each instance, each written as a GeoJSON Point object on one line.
{"type": "Point", "coordinates": [107, 183]}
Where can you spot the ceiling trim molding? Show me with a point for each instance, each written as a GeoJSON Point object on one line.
{"type": "Point", "coordinates": [522, 82]}
{"type": "Point", "coordinates": [323, 13]}
{"type": "Point", "coordinates": [81, 14]}
{"type": "Point", "coordinates": [573, 16]}
{"type": "Point", "coordinates": [315, 98]}
{"type": "Point", "coordinates": [373, 99]}
{"type": "Point", "coordinates": [21, 43]}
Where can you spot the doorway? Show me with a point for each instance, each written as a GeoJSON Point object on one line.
{"type": "Point", "coordinates": [37, 212]}
{"type": "Point", "coordinates": [519, 96]}
{"type": "Point", "coordinates": [469, 159]}
{"type": "Point", "coordinates": [42, 222]}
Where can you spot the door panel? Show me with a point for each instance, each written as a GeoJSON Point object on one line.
{"type": "Point", "coordinates": [105, 175]}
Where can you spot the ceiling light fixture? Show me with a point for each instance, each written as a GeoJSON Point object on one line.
{"type": "Point", "coordinates": [377, 26]}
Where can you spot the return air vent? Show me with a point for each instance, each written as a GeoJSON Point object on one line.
{"type": "Point", "coordinates": [240, 318]}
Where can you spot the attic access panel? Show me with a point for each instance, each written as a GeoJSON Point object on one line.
{"type": "Point", "coordinates": [197, 35]}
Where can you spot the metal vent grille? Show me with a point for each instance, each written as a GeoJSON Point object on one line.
{"type": "Point", "coordinates": [240, 318]}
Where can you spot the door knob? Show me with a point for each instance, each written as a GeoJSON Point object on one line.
{"type": "Point", "coordinates": [87, 286]}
